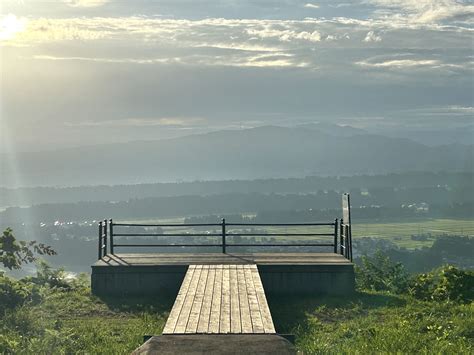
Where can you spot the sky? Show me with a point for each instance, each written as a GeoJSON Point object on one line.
{"type": "Point", "coordinates": [84, 72]}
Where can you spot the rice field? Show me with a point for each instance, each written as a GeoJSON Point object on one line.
{"type": "Point", "coordinates": [398, 232]}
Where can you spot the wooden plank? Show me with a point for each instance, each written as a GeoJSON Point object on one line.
{"type": "Point", "coordinates": [224, 326]}
{"type": "Point", "coordinates": [214, 318]}
{"type": "Point", "coordinates": [184, 259]}
{"type": "Point", "coordinates": [193, 320]}
{"type": "Point", "coordinates": [235, 324]}
{"type": "Point", "coordinates": [220, 299]}
{"type": "Point", "coordinates": [188, 302]}
{"type": "Point", "coordinates": [204, 318]}
{"type": "Point", "coordinates": [268, 325]}
{"type": "Point", "coordinates": [246, 320]}
{"type": "Point", "coordinates": [257, 323]}
{"type": "Point", "coordinates": [178, 303]}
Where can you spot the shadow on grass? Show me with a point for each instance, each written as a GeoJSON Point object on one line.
{"type": "Point", "coordinates": [289, 312]}
{"type": "Point", "coordinates": [138, 304]}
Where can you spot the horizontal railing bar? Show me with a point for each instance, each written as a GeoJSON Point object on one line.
{"type": "Point", "coordinates": [227, 234]}
{"type": "Point", "coordinates": [168, 225]}
{"type": "Point", "coordinates": [279, 224]}
{"type": "Point", "coordinates": [280, 234]}
{"type": "Point", "coordinates": [168, 245]}
{"type": "Point", "coordinates": [280, 245]}
{"type": "Point", "coordinates": [166, 235]}
{"type": "Point", "coordinates": [220, 224]}
{"type": "Point", "coordinates": [220, 245]}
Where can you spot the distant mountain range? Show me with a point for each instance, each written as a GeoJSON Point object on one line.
{"type": "Point", "coordinates": [267, 151]}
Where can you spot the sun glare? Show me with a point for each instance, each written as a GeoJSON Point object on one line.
{"type": "Point", "coordinates": [10, 25]}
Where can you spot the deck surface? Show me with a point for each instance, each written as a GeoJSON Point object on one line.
{"type": "Point", "coordinates": [222, 259]}
{"type": "Point", "coordinates": [220, 299]}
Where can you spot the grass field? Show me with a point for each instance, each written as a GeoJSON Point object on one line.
{"type": "Point", "coordinates": [76, 322]}
{"type": "Point", "coordinates": [398, 232]}
{"type": "Point", "coordinates": [401, 232]}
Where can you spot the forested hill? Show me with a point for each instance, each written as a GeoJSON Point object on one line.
{"type": "Point", "coordinates": [424, 186]}
{"type": "Point", "coordinates": [238, 154]}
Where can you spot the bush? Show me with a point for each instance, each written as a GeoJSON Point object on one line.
{"type": "Point", "coordinates": [15, 293]}
{"type": "Point", "coordinates": [446, 283]}
{"type": "Point", "coordinates": [380, 273]}
{"type": "Point", "coordinates": [47, 276]}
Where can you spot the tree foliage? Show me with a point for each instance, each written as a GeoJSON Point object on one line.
{"type": "Point", "coordinates": [13, 253]}
{"type": "Point", "coordinates": [380, 273]}
{"type": "Point", "coordinates": [446, 283]}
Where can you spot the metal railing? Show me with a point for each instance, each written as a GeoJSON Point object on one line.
{"type": "Point", "coordinates": [345, 240]}
{"type": "Point", "coordinates": [341, 239]}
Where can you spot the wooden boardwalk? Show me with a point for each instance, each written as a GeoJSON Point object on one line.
{"type": "Point", "coordinates": [185, 259]}
{"type": "Point", "coordinates": [220, 299]}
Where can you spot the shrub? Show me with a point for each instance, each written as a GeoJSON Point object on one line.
{"type": "Point", "coordinates": [15, 293]}
{"type": "Point", "coordinates": [446, 283]}
{"type": "Point", "coordinates": [47, 276]}
{"type": "Point", "coordinates": [380, 273]}
{"type": "Point", "coordinates": [15, 253]}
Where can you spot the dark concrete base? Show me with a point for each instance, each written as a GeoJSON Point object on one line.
{"type": "Point", "coordinates": [137, 280]}
{"type": "Point", "coordinates": [216, 344]}
{"type": "Point", "coordinates": [280, 273]}
{"type": "Point", "coordinates": [307, 279]}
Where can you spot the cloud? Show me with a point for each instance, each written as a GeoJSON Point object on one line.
{"type": "Point", "coordinates": [401, 63]}
{"type": "Point", "coordinates": [85, 3]}
{"type": "Point", "coordinates": [173, 122]}
{"type": "Point", "coordinates": [424, 11]}
{"type": "Point", "coordinates": [111, 60]}
{"type": "Point", "coordinates": [409, 61]}
{"type": "Point", "coordinates": [309, 44]}
{"type": "Point", "coordinates": [311, 6]}
{"type": "Point", "coordinates": [372, 37]}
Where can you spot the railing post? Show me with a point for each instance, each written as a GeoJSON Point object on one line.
{"type": "Point", "coordinates": [335, 235]}
{"type": "Point", "coordinates": [111, 233]}
{"type": "Point", "coordinates": [349, 242]}
{"type": "Point", "coordinates": [104, 252]}
{"type": "Point", "coordinates": [346, 242]}
{"type": "Point", "coordinates": [100, 241]}
{"type": "Point", "coordinates": [223, 235]}
{"type": "Point", "coordinates": [341, 233]}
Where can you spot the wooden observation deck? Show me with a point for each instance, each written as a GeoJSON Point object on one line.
{"type": "Point", "coordinates": [222, 279]}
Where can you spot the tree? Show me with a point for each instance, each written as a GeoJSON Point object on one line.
{"type": "Point", "coordinates": [14, 253]}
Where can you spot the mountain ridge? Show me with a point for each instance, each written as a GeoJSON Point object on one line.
{"type": "Point", "coordinates": [267, 151]}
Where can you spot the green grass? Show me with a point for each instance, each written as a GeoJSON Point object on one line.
{"type": "Point", "coordinates": [79, 323]}
{"type": "Point", "coordinates": [76, 322]}
{"type": "Point", "coordinates": [370, 323]}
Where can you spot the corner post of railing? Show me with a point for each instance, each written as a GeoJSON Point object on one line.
{"type": "Point", "coordinates": [100, 241]}
{"type": "Point", "coordinates": [223, 236]}
{"type": "Point", "coordinates": [104, 250]}
{"type": "Point", "coordinates": [350, 243]}
{"type": "Point", "coordinates": [346, 242]}
{"type": "Point", "coordinates": [341, 234]}
{"type": "Point", "coordinates": [336, 226]}
{"type": "Point", "coordinates": [111, 237]}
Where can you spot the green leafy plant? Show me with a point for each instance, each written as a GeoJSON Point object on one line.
{"type": "Point", "coordinates": [446, 283]}
{"type": "Point", "coordinates": [380, 273]}
{"type": "Point", "coordinates": [13, 253]}
{"type": "Point", "coordinates": [14, 293]}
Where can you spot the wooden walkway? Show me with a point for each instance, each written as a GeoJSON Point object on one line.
{"type": "Point", "coordinates": [185, 259]}
{"type": "Point", "coordinates": [220, 299]}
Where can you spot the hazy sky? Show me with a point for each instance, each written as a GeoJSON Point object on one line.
{"type": "Point", "coordinates": [77, 72]}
